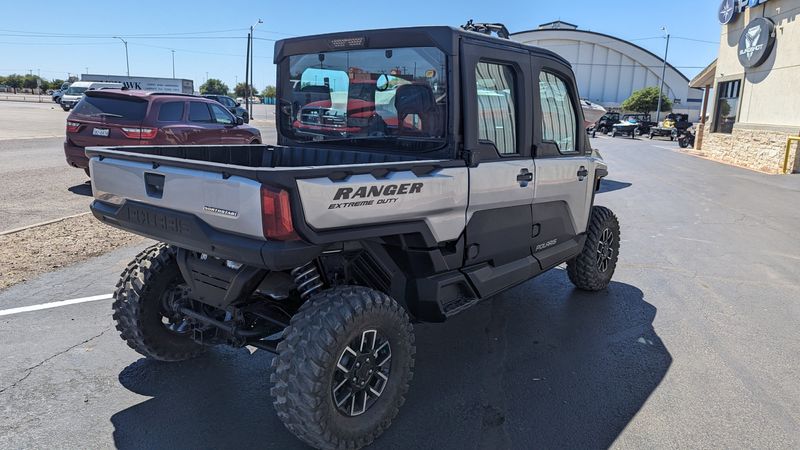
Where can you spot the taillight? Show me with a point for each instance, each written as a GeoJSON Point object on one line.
{"type": "Point", "coordinates": [73, 127]}
{"type": "Point", "coordinates": [276, 215]}
{"type": "Point", "coordinates": [140, 133]}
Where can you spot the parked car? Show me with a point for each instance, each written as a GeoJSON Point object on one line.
{"type": "Point", "coordinates": [58, 93]}
{"type": "Point", "coordinates": [121, 118]}
{"type": "Point", "coordinates": [232, 105]}
{"type": "Point", "coordinates": [75, 92]}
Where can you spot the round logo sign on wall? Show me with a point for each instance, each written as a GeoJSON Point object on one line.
{"type": "Point", "coordinates": [727, 11]}
{"type": "Point", "coordinates": [756, 42]}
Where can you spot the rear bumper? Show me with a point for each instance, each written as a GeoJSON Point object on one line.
{"type": "Point", "coordinates": [76, 156]}
{"type": "Point", "coordinates": [188, 231]}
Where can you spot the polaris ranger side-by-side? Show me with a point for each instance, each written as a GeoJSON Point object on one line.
{"type": "Point", "coordinates": [466, 172]}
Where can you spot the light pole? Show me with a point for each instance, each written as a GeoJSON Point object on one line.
{"type": "Point", "coordinates": [173, 64]}
{"type": "Point", "coordinates": [127, 63]}
{"type": "Point", "coordinates": [663, 74]}
{"type": "Point", "coordinates": [250, 64]}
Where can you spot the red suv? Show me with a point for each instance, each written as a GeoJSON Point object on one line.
{"type": "Point", "coordinates": [113, 117]}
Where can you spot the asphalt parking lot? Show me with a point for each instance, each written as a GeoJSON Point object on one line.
{"type": "Point", "coordinates": [694, 345]}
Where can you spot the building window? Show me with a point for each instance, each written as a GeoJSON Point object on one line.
{"type": "Point", "coordinates": [559, 124]}
{"type": "Point", "coordinates": [497, 116]}
{"type": "Point", "coordinates": [727, 106]}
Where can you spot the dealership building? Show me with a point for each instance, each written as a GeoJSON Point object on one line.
{"type": "Point", "coordinates": [754, 110]}
{"type": "Point", "coordinates": [609, 69]}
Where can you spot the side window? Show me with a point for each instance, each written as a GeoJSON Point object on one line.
{"type": "Point", "coordinates": [221, 115]}
{"type": "Point", "coordinates": [497, 114]}
{"type": "Point", "coordinates": [170, 112]}
{"type": "Point", "coordinates": [198, 112]}
{"type": "Point", "coordinates": [559, 122]}
{"type": "Point", "coordinates": [227, 101]}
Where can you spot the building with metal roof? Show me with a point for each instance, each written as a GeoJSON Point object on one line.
{"type": "Point", "coordinates": [609, 69]}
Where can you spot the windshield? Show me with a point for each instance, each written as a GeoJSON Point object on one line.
{"type": "Point", "coordinates": [76, 90]}
{"type": "Point", "coordinates": [373, 98]}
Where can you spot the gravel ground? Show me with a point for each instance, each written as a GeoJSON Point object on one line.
{"type": "Point", "coordinates": [42, 249]}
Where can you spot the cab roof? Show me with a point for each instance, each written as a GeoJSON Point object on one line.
{"type": "Point", "coordinates": [444, 37]}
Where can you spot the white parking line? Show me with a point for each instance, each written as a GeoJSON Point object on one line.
{"type": "Point", "coordinates": [22, 309]}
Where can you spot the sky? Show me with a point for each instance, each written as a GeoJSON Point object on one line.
{"type": "Point", "coordinates": [57, 38]}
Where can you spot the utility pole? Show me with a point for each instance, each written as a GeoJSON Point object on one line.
{"type": "Point", "coordinates": [247, 77]}
{"type": "Point", "coordinates": [173, 63]}
{"type": "Point", "coordinates": [663, 74]}
{"type": "Point", "coordinates": [127, 62]}
{"type": "Point", "coordinates": [250, 52]}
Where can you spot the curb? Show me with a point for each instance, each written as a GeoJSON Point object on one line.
{"type": "Point", "coordinates": [28, 227]}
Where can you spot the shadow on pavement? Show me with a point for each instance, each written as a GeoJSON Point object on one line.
{"type": "Point", "coordinates": [82, 189]}
{"type": "Point", "coordinates": [607, 185]}
{"type": "Point", "coordinates": [541, 366]}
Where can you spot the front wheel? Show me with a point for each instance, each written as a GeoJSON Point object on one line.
{"type": "Point", "coordinates": [64, 107]}
{"type": "Point", "coordinates": [683, 143]}
{"type": "Point", "coordinates": [593, 268]}
{"type": "Point", "coordinates": [343, 368]}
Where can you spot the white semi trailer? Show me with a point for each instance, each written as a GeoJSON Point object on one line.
{"type": "Point", "coordinates": [146, 83]}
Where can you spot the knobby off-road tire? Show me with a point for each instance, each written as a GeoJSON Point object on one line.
{"type": "Point", "coordinates": [139, 306]}
{"type": "Point", "coordinates": [593, 268]}
{"type": "Point", "coordinates": [309, 358]}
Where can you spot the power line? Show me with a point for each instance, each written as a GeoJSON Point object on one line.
{"type": "Point", "coordinates": [195, 51]}
{"type": "Point", "coordinates": [86, 35]}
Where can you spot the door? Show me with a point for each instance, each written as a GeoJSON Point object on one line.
{"type": "Point", "coordinates": [203, 129]}
{"type": "Point", "coordinates": [497, 98]}
{"type": "Point", "coordinates": [224, 119]}
{"type": "Point", "coordinates": [564, 172]}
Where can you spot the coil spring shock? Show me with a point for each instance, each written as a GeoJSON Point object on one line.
{"type": "Point", "coordinates": [307, 279]}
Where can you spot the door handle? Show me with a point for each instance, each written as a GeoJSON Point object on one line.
{"type": "Point", "coordinates": [582, 173]}
{"type": "Point", "coordinates": [524, 177]}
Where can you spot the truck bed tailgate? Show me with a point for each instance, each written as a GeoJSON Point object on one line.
{"type": "Point", "coordinates": [231, 204]}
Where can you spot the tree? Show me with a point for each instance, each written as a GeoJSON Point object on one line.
{"type": "Point", "coordinates": [14, 81]}
{"type": "Point", "coordinates": [646, 100]}
{"type": "Point", "coordinates": [56, 84]}
{"type": "Point", "coordinates": [269, 91]}
{"type": "Point", "coordinates": [214, 86]}
{"type": "Point", "coordinates": [240, 90]}
{"type": "Point", "coordinates": [33, 82]}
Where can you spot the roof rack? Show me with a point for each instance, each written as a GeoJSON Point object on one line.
{"type": "Point", "coordinates": [498, 29]}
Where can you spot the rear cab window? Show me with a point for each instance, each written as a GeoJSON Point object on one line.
{"type": "Point", "coordinates": [171, 112]}
{"type": "Point", "coordinates": [199, 112]}
{"type": "Point", "coordinates": [128, 108]}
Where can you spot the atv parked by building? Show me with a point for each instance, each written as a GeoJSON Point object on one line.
{"type": "Point", "coordinates": [632, 125]}
{"type": "Point", "coordinates": [324, 249]}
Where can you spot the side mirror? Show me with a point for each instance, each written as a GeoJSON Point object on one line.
{"type": "Point", "coordinates": [239, 121]}
{"type": "Point", "coordinates": [382, 83]}
{"type": "Point", "coordinates": [238, 104]}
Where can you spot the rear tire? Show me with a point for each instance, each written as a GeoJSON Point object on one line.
{"type": "Point", "coordinates": [139, 306]}
{"type": "Point", "coordinates": [314, 395]}
{"type": "Point", "coordinates": [88, 174]}
{"type": "Point", "coordinates": [593, 268]}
